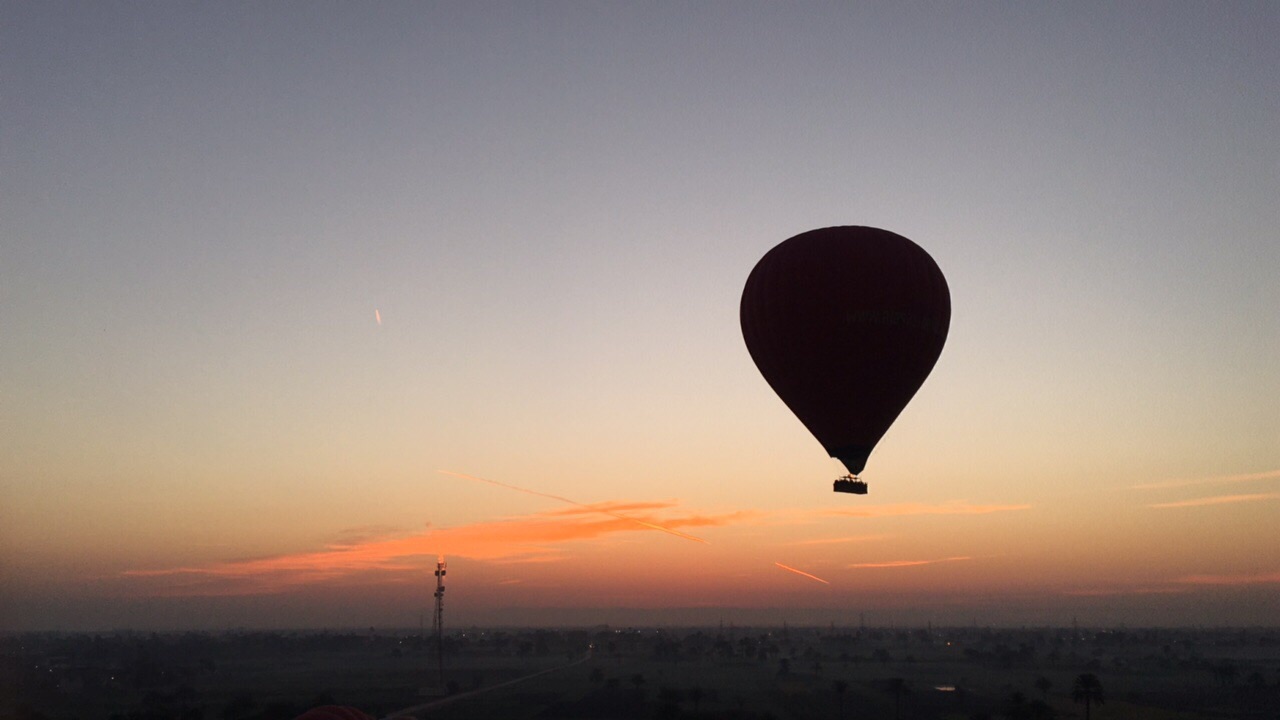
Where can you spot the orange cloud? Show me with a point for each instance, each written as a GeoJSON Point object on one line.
{"type": "Point", "coordinates": [1108, 592]}
{"type": "Point", "coordinates": [1218, 500]}
{"type": "Point", "coordinates": [1263, 578]}
{"type": "Point", "coordinates": [609, 506]}
{"type": "Point", "coordinates": [1216, 480]}
{"type": "Point", "coordinates": [1179, 586]}
{"type": "Point", "coordinates": [363, 534]}
{"type": "Point", "coordinates": [599, 507]}
{"type": "Point", "coordinates": [841, 540]}
{"type": "Point", "coordinates": [906, 563]}
{"type": "Point", "coordinates": [956, 507]}
{"type": "Point", "coordinates": [530, 539]}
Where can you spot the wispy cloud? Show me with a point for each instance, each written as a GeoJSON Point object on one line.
{"type": "Point", "coordinates": [1218, 500]}
{"type": "Point", "coordinates": [1179, 586]}
{"type": "Point", "coordinates": [537, 538]}
{"type": "Point", "coordinates": [802, 573]}
{"type": "Point", "coordinates": [842, 540]}
{"type": "Point", "coordinates": [1215, 480]}
{"type": "Point", "coordinates": [1262, 578]}
{"type": "Point", "coordinates": [906, 563]}
{"type": "Point", "coordinates": [610, 506]}
{"type": "Point", "coordinates": [955, 507]}
{"type": "Point", "coordinates": [1111, 592]}
{"type": "Point", "coordinates": [364, 533]}
{"type": "Point", "coordinates": [550, 556]}
{"type": "Point", "coordinates": [599, 507]}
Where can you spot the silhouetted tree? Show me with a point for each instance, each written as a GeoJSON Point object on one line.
{"type": "Point", "coordinates": [1043, 684]}
{"type": "Point", "coordinates": [1256, 681]}
{"type": "Point", "coordinates": [1041, 710]}
{"type": "Point", "coordinates": [669, 702]}
{"type": "Point", "coordinates": [1015, 708]}
{"type": "Point", "coordinates": [898, 687]}
{"type": "Point", "coordinates": [695, 697]}
{"type": "Point", "coordinates": [841, 687]}
{"type": "Point", "coordinates": [638, 681]}
{"type": "Point", "coordinates": [1088, 690]}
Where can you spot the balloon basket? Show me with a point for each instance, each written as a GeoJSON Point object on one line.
{"type": "Point", "coordinates": [849, 484]}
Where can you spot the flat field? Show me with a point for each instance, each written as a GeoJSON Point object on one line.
{"type": "Point", "coordinates": [623, 673]}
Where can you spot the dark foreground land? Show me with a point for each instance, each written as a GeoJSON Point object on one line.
{"type": "Point", "coordinates": [708, 673]}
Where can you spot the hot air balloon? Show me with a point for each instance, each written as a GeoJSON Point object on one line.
{"type": "Point", "coordinates": [845, 323]}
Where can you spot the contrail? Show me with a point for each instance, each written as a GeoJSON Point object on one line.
{"type": "Point", "coordinates": [377, 315]}
{"type": "Point", "coordinates": [649, 525]}
{"type": "Point", "coordinates": [907, 563]}
{"type": "Point", "coordinates": [1217, 500]}
{"type": "Point", "coordinates": [1218, 480]}
{"type": "Point", "coordinates": [801, 572]}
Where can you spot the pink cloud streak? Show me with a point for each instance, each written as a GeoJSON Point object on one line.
{"type": "Point", "coordinates": [1262, 578]}
{"type": "Point", "coordinates": [906, 563]}
{"type": "Point", "coordinates": [530, 539]}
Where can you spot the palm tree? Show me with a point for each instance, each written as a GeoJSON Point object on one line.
{"type": "Point", "coordinates": [1227, 673]}
{"type": "Point", "coordinates": [1043, 684]}
{"type": "Point", "coordinates": [695, 696]}
{"type": "Point", "coordinates": [841, 687]}
{"type": "Point", "coordinates": [1088, 690]}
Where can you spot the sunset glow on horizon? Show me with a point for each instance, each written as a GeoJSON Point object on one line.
{"type": "Point", "coordinates": [610, 513]}
{"type": "Point", "coordinates": [559, 205]}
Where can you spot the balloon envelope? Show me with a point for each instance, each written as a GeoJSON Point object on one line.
{"type": "Point", "coordinates": [845, 323]}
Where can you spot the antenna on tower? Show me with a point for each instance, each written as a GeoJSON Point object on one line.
{"type": "Point", "coordinates": [438, 620]}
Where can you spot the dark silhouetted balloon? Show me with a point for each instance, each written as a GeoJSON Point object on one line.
{"type": "Point", "coordinates": [334, 712]}
{"type": "Point", "coordinates": [845, 324]}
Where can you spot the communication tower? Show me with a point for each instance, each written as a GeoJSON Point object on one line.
{"type": "Point", "coordinates": [437, 623]}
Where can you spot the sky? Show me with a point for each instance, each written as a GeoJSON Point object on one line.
{"type": "Point", "coordinates": [267, 270]}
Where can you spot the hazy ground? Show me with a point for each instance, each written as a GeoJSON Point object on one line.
{"type": "Point", "coordinates": [649, 673]}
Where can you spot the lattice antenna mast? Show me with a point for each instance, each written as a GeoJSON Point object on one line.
{"type": "Point", "coordinates": [437, 622]}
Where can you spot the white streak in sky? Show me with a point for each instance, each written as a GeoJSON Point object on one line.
{"type": "Point", "coordinates": [1218, 480]}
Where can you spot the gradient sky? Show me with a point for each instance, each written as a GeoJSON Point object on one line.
{"type": "Point", "coordinates": [552, 209]}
